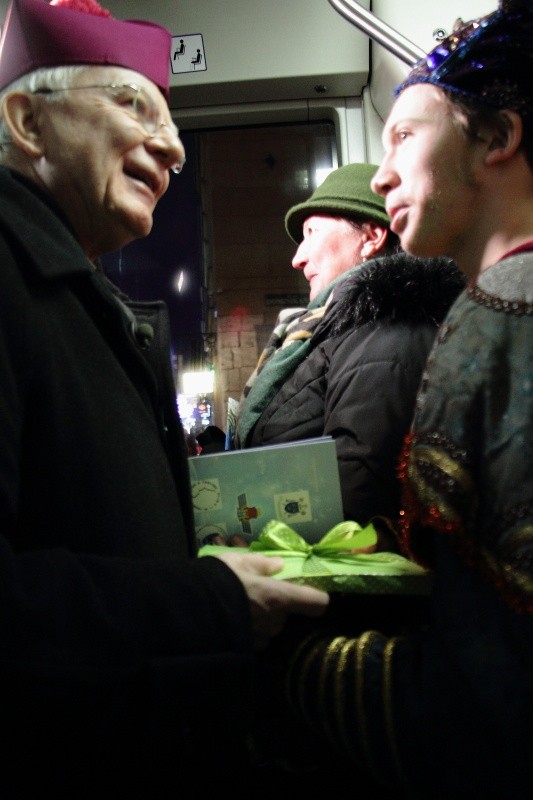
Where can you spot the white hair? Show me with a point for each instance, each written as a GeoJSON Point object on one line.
{"type": "Point", "coordinates": [43, 78]}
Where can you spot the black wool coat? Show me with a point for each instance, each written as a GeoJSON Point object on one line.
{"type": "Point", "coordinates": [121, 654]}
{"type": "Point", "coordinates": [360, 378]}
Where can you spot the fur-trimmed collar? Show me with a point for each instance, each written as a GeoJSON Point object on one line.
{"type": "Point", "coordinates": [399, 287]}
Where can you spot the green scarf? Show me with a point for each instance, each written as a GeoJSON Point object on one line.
{"type": "Point", "coordinates": [287, 347]}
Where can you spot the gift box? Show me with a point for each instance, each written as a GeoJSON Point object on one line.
{"type": "Point", "coordinates": [336, 563]}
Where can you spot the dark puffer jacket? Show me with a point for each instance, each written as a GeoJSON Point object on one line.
{"type": "Point", "coordinates": [359, 381]}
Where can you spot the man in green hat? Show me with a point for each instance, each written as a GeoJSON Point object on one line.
{"type": "Point", "coordinates": [349, 364]}
{"type": "Point", "coordinates": [341, 225]}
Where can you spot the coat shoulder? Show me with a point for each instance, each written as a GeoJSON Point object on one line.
{"type": "Point", "coordinates": [400, 288]}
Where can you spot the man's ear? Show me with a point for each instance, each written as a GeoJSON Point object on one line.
{"type": "Point", "coordinates": [505, 140]}
{"type": "Point", "coordinates": [21, 119]}
{"type": "Point", "coordinates": [374, 238]}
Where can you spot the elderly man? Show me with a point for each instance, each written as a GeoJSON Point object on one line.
{"type": "Point", "coordinates": [349, 365]}
{"type": "Point", "coordinates": [447, 713]}
{"type": "Point", "coordinates": [111, 634]}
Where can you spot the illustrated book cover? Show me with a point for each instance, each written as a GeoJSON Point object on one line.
{"type": "Point", "coordinates": [239, 491]}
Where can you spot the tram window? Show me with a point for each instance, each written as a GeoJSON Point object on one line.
{"type": "Point", "coordinates": [218, 249]}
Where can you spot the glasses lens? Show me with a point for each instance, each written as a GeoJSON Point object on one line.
{"type": "Point", "coordinates": [136, 101]}
{"type": "Point", "coordinates": [146, 111]}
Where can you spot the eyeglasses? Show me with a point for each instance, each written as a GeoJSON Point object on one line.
{"type": "Point", "coordinates": [137, 103]}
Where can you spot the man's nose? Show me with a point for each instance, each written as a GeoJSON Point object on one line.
{"type": "Point", "coordinates": [300, 257]}
{"type": "Point", "coordinates": [383, 180]}
{"type": "Point", "coordinates": [169, 147]}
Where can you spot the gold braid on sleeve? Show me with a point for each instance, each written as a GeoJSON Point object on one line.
{"type": "Point", "coordinates": [327, 686]}
{"type": "Point", "coordinates": [388, 707]}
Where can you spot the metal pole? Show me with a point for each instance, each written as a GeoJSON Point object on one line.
{"type": "Point", "coordinates": [379, 31]}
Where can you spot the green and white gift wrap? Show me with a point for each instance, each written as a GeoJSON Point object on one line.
{"type": "Point", "coordinates": [331, 564]}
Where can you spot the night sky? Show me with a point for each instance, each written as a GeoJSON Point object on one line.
{"type": "Point", "coordinates": [146, 268]}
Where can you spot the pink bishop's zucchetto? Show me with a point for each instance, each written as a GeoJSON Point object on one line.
{"type": "Point", "coordinates": [71, 32]}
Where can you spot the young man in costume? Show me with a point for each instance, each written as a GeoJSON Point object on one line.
{"type": "Point", "coordinates": [446, 713]}
{"type": "Point", "coordinates": [112, 631]}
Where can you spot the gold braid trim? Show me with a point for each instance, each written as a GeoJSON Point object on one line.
{"type": "Point", "coordinates": [329, 666]}
{"type": "Point", "coordinates": [341, 706]}
{"type": "Point", "coordinates": [362, 646]}
{"type": "Point", "coordinates": [331, 658]}
{"type": "Point", "coordinates": [447, 466]}
{"type": "Point", "coordinates": [387, 705]}
{"type": "Point", "coordinates": [313, 645]}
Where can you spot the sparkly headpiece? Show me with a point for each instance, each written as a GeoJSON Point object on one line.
{"type": "Point", "coordinates": [69, 32]}
{"type": "Point", "coordinates": [487, 60]}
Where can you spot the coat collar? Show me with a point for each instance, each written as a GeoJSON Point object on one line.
{"type": "Point", "coordinates": [398, 288]}
{"type": "Point", "coordinates": [39, 227]}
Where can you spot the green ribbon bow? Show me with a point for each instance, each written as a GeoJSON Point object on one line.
{"type": "Point", "coordinates": [342, 539]}
{"type": "Point", "coordinates": [331, 563]}
{"type": "Point", "coordinates": [337, 545]}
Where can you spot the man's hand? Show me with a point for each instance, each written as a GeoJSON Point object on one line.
{"type": "Point", "coordinates": [271, 600]}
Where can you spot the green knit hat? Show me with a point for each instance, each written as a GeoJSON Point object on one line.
{"type": "Point", "coordinates": [345, 192]}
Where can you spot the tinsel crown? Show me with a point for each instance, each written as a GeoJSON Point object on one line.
{"type": "Point", "coordinates": [487, 60]}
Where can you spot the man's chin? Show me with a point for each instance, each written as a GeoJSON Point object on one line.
{"type": "Point", "coordinates": [126, 236]}
{"type": "Point", "coordinates": [137, 226]}
{"type": "Point", "coordinates": [313, 291]}
{"type": "Point", "coordinates": [423, 249]}
{"type": "Point", "coordinates": [416, 246]}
